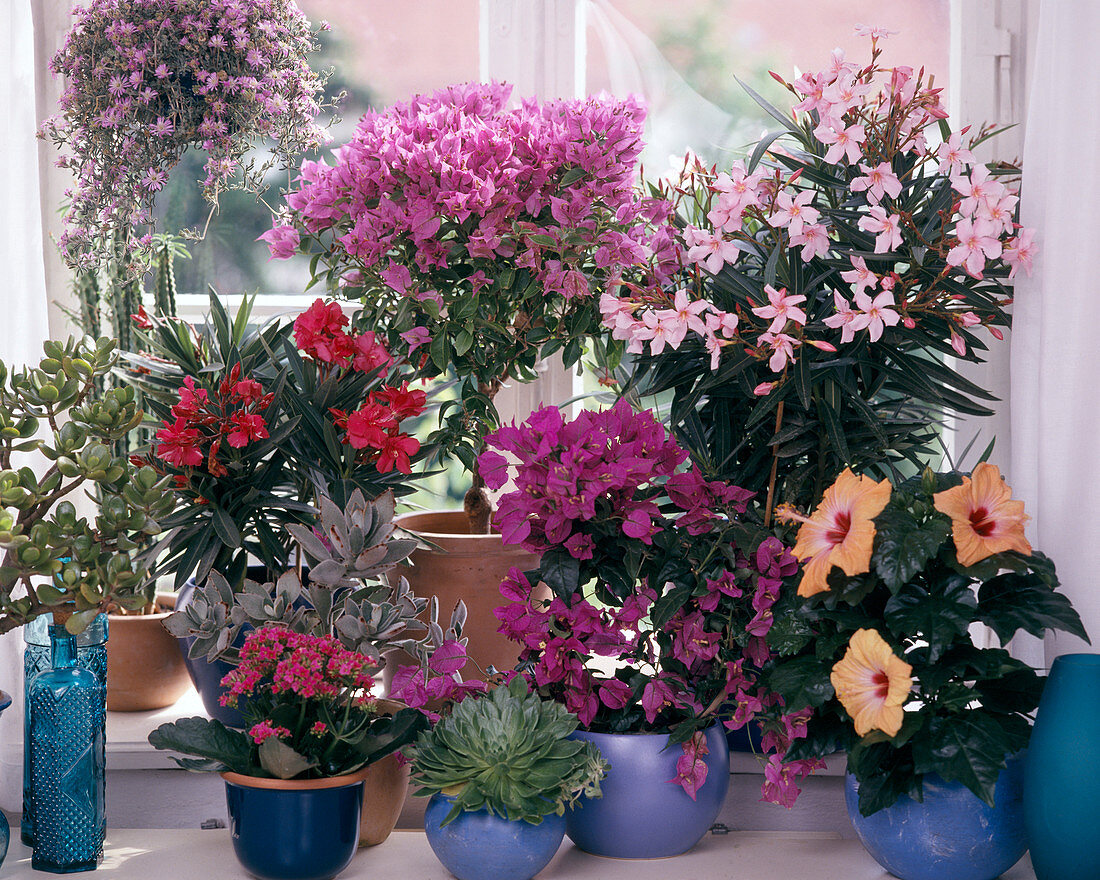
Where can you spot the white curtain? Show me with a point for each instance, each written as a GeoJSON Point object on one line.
{"type": "Point", "coordinates": [1056, 335]}
{"type": "Point", "coordinates": [23, 305]}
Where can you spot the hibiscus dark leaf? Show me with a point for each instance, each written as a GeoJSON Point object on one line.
{"type": "Point", "coordinates": [938, 617]}
{"type": "Point", "coordinates": [966, 747]}
{"type": "Point", "coordinates": [1012, 602]}
{"type": "Point", "coordinates": [1015, 691]}
{"type": "Point", "coordinates": [802, 682]}
{"type": "Point", "coordinates": [903, 546]}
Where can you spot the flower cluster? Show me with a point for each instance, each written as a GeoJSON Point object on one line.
{"type": "Point", "coordinates": [146, 79]}
{"type": "Point", "coordinates": [320, 333]}
{"type": "Point", "coordinates": [892, 675]}
{"type": "Point", "coordinates": [651, 570]}
{"type": "Point", "coordinates": [897, 231]}
{"type": "Point", "coordinates": [477, 232]}
{"type": "Point", "coordinates": [202, 424]}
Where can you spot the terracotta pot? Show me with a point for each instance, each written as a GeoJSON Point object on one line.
{"type": "Point", "coordinates": [470, 568]}
{"type": "Point", "coordinates": [385, 787]}
{"type": "Point", "coordinates": [145, 669]}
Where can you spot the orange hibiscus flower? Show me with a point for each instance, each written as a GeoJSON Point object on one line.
{"type": "Point", "coordinates": [872, 682]}
{"type": "Point", "coordinates": [841, 530]}
{"type": "Point", "coordinates": [984, 518]}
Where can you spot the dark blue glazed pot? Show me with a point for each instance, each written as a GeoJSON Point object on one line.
{"type": "Point", "coordinates": [207, 676]}
{"type": "Point", "coordinates": [1061, 777]}
{"type": "Point", "coordinates": [641, 814]}
{"type": "Point", "coordinates": [294, 829]}
{"type": "Point", "coordinates": [481, 846]}
{"type": "Point", "coordinates": [952, 835]}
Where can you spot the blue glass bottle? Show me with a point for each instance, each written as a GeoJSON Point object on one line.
{"type": "Point", "coordinates": [91, 653]}
{"type": "Point", "coordinates": [5, 829]}
{"type": "Point", "coordinates": [67, 708]}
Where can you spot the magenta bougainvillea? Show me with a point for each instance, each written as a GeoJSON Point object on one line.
{"type": "Point", "coordinates": [662, 595]}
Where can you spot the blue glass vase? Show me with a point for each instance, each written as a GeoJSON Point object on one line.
{"type": "Point", "coordinates": [67, 705]}
{"type": "Point", "coordinates": [5, 829]}
{"type": "Point", "coordinates": [1061, 778]}
{"type": "Point", "coordinates": [91, 653]}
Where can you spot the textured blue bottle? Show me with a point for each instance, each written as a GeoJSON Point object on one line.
{"type": "Point", "coordinates": [67, 708]}
{"type": "Point", "coordinates": [91, 653]}
{"type": "Point", "coordinates": [5, 829]}
{"type": "Point", "coordinates": [1061, 776]}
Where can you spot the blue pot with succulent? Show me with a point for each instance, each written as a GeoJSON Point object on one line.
{"type": "Point", "coordinates": [500, 771]}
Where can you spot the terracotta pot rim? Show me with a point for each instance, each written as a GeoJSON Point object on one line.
{"type": "Point", "coordinates": [159, 598]}
{"type": "Point", "coordinates": [401, 518]}
{"type": "Point", "coordinates": [296, 784]}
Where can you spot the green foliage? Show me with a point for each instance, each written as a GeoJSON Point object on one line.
{"type": "Point", "coordinates": [507, 752]}
{"type": "Point", "coordinates": [968, 708]}
{"type": "Point", "coordinates": [52, 558]}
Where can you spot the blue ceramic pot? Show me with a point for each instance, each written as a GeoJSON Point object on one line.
{"type": "Point", "coordinates": [1061, 777]}
{"type": "Point", "coordinates": [207, 676]}
{"type": "Point", "coordinates": [481, 846]}
{"type": "Point", "coordinates": [951, 835]}
{"type": "Point", "coordinates": [641, 815]}
{"type": "Point", "coordinates": [294, 829]}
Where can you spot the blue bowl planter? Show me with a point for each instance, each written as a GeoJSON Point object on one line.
{"type": "Point", "coordinates": [952, 835]}
{"type": "Point", "coordinates": [294, 829]}
{"type": "Point", "coordinates": [481, 846]}
{"type": "Point", "coordinates": [641, 815]}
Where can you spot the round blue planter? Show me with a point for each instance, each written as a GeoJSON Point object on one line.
{"type": "Point", "coordinates": [1061, 778]}
{"type": "Point", "coordinates": [207, 676]}
{"type": "Point", "coordinates": [951, 835]}
{"type": "Point", "coordinates": [481, 846]}
{"type": "Point", "coordinates": [641, 814]}
{"type": "Point", "coordinates": [299, 831]}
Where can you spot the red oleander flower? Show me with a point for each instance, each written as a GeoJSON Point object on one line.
{"type": "Point", "coordinates": [179, 445]}
{"type": "Point", "coordinates": [246, 427]}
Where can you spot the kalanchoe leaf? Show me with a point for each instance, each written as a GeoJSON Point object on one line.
{"type": "Point", "coordinates": [281, 761]}
{"type": "Point", "coordinates": [207, 739]}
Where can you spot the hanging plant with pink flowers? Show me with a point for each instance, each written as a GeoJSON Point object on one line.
{"type": "Point", "coordinates": [827, 277]}
{"type": "Point", "coordinates": [145, 80]}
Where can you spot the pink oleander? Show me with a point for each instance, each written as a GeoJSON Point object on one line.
{"type": "Point", "coordinates": [662, 594]}
{"type": "Point", "coordinates": [147, 79]}
{"type": "Point", "coordinates": [478, 234]}
{"type": "Point", "coordinates": [893, 230]}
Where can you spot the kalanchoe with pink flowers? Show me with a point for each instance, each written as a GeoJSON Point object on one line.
{"type": "Point", "coordinates": [308, 709]}
{"type": "Point", "coordinates": [653, 571]}
{"type": "Point", "coordinates": [826, 278]}
{"type": "Point", "coordinates": [479, 236]}
{"type": "Point", "coordinates": [147, 79]}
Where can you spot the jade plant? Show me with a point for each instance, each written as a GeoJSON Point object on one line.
{"type": "Point", "coordinates": [53, 558]}
{"type": "Point", "coordinates": [507, 752]}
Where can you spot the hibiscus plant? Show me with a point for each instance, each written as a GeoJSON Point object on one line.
{"type": "Point", "coordinates": [255, 425]}
{"type": "Point", "coordinates": [827, 277]}
{"type": "Point", "coordinates": [895, 577]}
{"type": "Point", "coordinates": [662, 594]}
{"type": "Point", "coordinates": [479, 236]}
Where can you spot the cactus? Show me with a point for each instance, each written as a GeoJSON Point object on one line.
{"type": "Point", "coordinates": [507, 752]}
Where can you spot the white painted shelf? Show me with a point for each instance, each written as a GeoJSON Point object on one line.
{"type": "Point", "coordinates": [127, 734]}
{"type": "Point", "coordinates": [188, 855]}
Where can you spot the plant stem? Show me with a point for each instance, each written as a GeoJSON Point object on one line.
{"type": "Point", "coordinates": [770, 505]}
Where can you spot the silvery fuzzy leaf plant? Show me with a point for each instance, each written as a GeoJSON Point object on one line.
{"type": "Point", "coordinates": [507, 752]}
{"type": "Point", "coordinates": [345, 594]}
